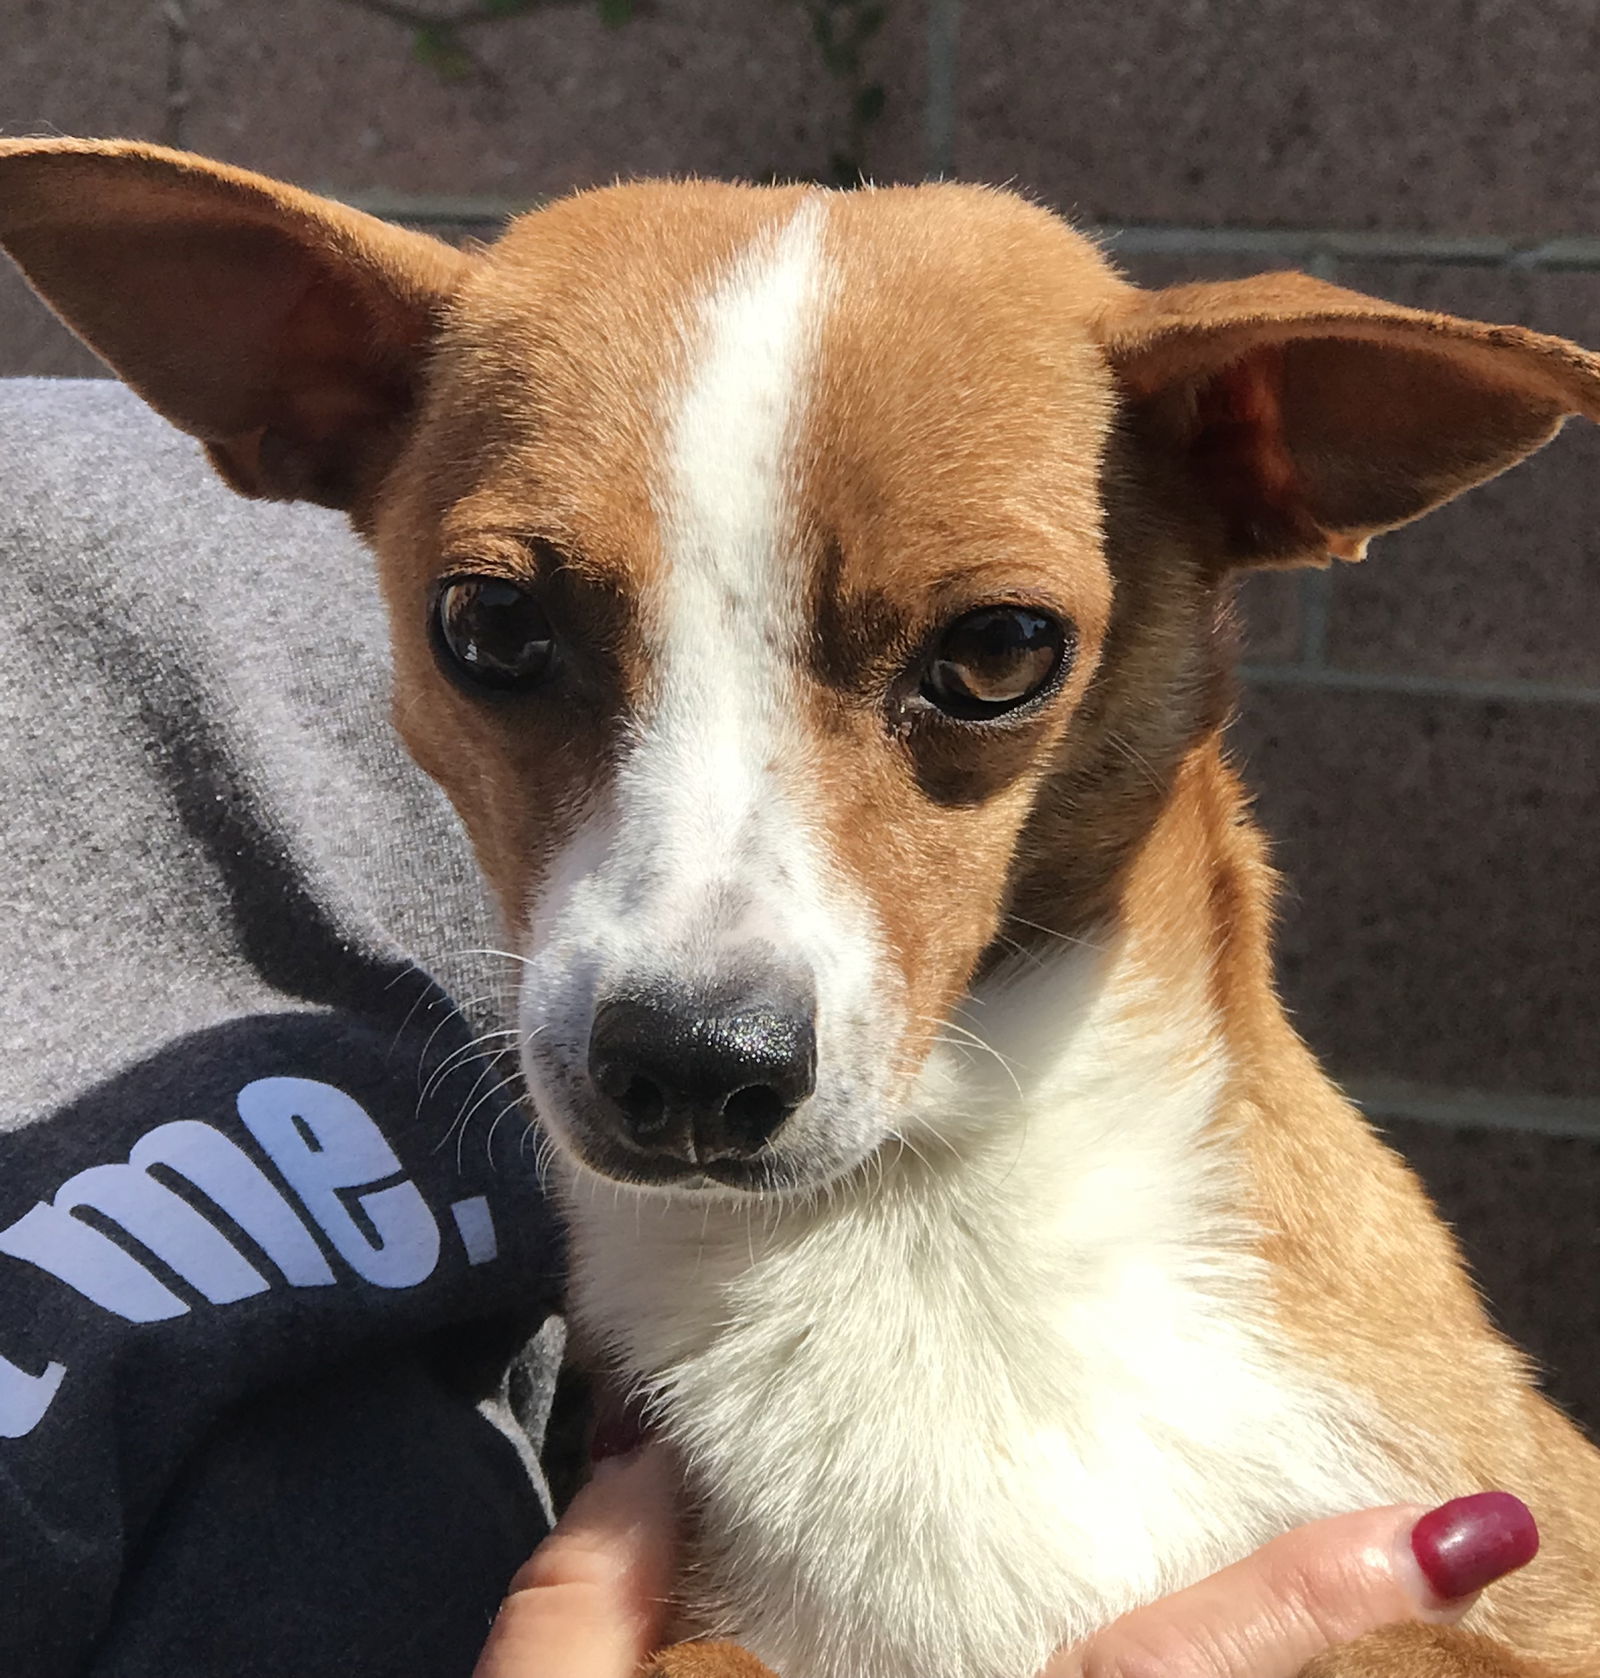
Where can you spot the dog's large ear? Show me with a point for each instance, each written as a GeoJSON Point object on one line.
{"type": "Point", "coordinates": [1314, 417]}
{"type": "Point", "coordinates": [285, 331]}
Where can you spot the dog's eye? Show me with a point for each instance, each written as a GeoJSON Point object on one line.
{"type": "Point", "coordinates": [992, 660]}
{"type": "Point", "coordinates": [494, 633]}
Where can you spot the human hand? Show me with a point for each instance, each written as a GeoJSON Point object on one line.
{"type": "Point", "coordinates": [591, 1602]}
{"type": "Point", "coordinates": [1316, 1588]}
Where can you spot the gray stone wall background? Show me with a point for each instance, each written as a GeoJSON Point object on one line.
{"type": "Point", "coordinates": [1424, 729]}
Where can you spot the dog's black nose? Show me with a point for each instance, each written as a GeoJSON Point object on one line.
{"type": "Point", "coordinates": [703, 1080]}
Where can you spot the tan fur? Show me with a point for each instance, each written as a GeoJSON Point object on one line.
{"type": "Point", "coordinates": [704, 1660]}
{"type": "Point", "coordinates": [1409, 1652]}
{"type": "Point", "coordinates": [1114, 453]}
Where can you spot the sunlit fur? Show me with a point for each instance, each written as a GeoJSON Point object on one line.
{"type": "Point", "coordinates": [701, 864]}
{"type": "Point", "coordinates": [1085, 1278]}
{"type": "Point", "coordinates": [1017, 1374]}
{"type": "Point", "coordinates": [1015, 1378]}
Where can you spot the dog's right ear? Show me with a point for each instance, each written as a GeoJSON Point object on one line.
{"type": "Point", "coordinates": [285, 331]}
{"type": "Point", "coordinates": [1313, 417]}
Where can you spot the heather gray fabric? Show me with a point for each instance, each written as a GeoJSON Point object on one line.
{"type": "Point", "coordinates": [265, 1296]}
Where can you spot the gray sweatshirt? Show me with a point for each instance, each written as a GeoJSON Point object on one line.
{"type": "Point", "coordinates": [273, 1256]}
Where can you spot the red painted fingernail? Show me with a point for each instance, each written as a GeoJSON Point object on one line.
{"type": "Point", "coordinates": [1470, 1542]}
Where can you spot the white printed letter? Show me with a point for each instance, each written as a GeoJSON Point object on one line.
{"type": "Point", "coordinates": [324, 1142]}
{"type": "Point", "coordinates": [76, 1253]}
{"type": "Point", "coordinates": [24, 1398]}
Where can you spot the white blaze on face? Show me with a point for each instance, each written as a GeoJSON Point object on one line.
{"type": "Point", "coordinates": [715, 773]}
{"type": "Point", "coordinates": [704, 863]}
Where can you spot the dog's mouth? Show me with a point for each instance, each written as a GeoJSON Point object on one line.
{"type": "Point", "coordinates": [688, 1088]}
{"type": "Point", "coordinates": [600, 1155]}
{"type": "Point", "coordinates": [824, 1139]}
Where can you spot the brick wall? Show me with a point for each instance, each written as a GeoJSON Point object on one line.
{"type": "Point", "coordinates": [1424, 729]}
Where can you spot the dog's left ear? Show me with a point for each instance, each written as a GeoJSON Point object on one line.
{"type": "Point", "coordinates": [1313, 417]}
{"type": "Point", "coordinates": [286, 331]}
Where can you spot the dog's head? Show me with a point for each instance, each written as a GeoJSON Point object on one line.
{"type": "Point", "coordinates": [796, 592]}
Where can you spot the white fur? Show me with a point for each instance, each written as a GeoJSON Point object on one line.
{"type": "Point", "coordinates": [701, 863]}
{"type": "Point", "coordinates": [995, 1389]}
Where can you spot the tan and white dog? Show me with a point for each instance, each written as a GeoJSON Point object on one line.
{"type": "Point", "coordinates": [816, 606]}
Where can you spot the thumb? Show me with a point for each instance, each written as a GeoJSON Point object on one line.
{"type": "Point", "coordinates": [591, 1600]}
{"type": "Point", "coordinates": [1315, 1588]}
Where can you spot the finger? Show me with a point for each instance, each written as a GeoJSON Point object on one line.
{"type": "Point", "coordinates": [591, 1600]}
{"type": "Point", "coordinates": [1314, 1588]}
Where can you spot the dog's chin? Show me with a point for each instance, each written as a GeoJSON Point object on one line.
{"type": "Point", "coordinates": [771, 1173]}
{"type": "Point", "coordinates": [811, 1155]}
{"type": "Point", "coordinates": [622, 1166]}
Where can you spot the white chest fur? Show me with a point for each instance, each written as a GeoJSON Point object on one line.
{"type": "Point", "coordinates": [995, 1391]}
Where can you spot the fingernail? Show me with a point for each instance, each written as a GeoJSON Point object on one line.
{"type": "Point", "coordinates": [1470, 1542]}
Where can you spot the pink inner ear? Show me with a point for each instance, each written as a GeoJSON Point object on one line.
{"type": "Point", "coordinates": [142, 300]}
{"type": "Point", "coordinates": [1238, 447]}
{"type": "Point", "coordinates": [332, 391]}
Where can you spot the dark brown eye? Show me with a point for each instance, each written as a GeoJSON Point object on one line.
{"type": "Point", "coordinates": [493, 633]}
{"type": "Point", "coordinates": [993, 660]}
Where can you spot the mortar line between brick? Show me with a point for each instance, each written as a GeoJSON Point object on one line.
{"type": "Point", "coordinates": [1315, 246]}
{"type": "Point", "coordinates": [1476, 1109]}
{"type": "Point", "coordinates": [1316, 605]}
{"type": "Point", "coordinates": [1304, 245]}
{"type": "Point", "coordinates": [1428, 687]}
{"type": "Point", "coordinates": [939, 111]}
{"type": "Point", "coordinates": [174, 20]}
{"type": "Point", "coordinates": [1316, 585]}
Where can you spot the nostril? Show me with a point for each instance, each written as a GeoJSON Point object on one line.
{"type": "Point", "coordinates": [642, 1100]}
{"type": "Point", "coordinates": [751, 1115]}
{"type": "Point", "coordinates": [644, 1104]}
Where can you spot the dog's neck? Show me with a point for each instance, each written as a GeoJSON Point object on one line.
{"type": "Point", "coordinates": [1034, 1333]}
